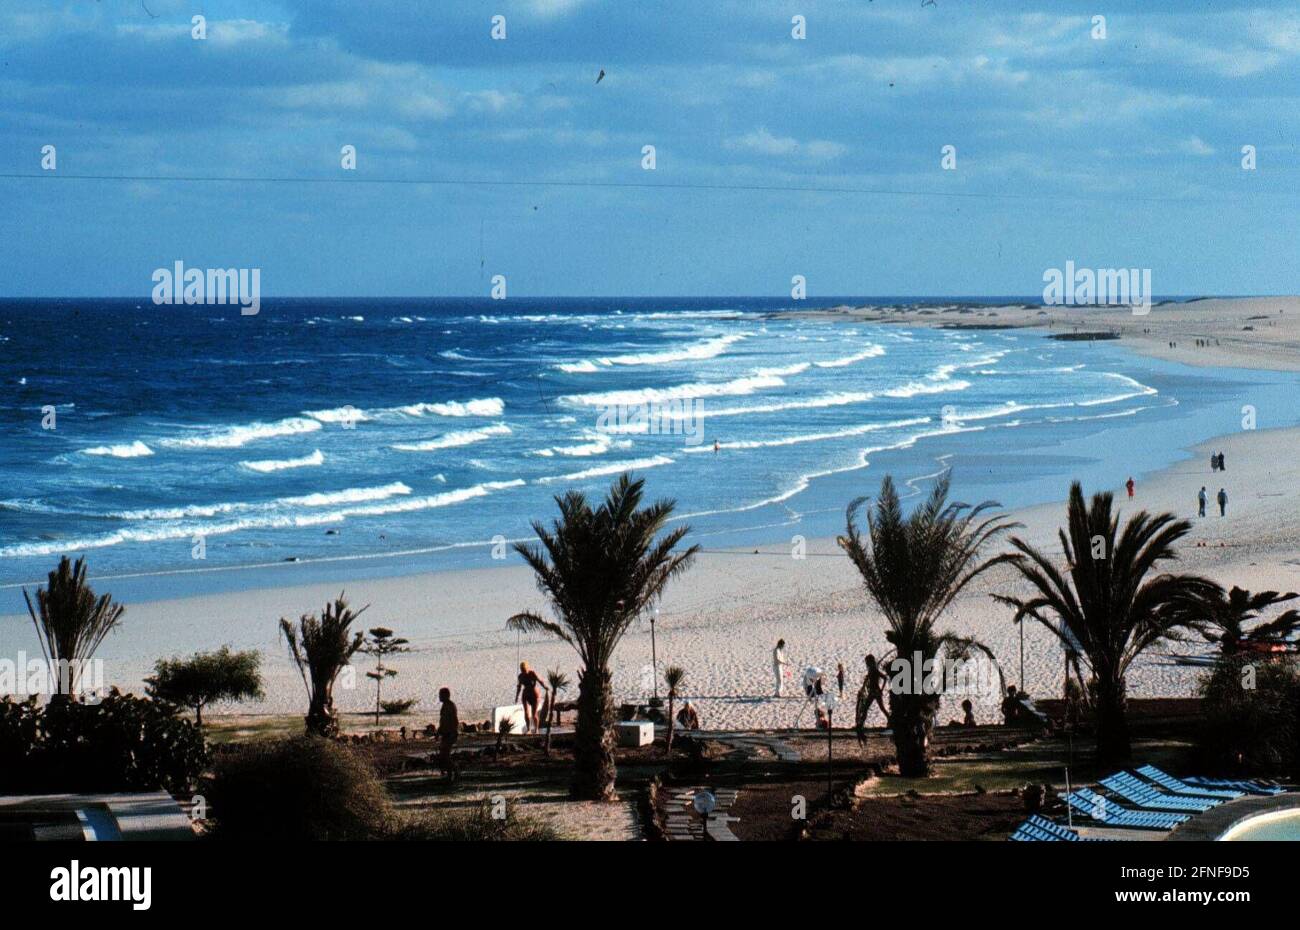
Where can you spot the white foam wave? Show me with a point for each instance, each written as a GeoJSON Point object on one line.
{"type": "Point", "coordinates": [478, 407]}
{"type": "Point", "coordinates": [796, 369]}
{"type": "Point", "coordinates": [871, 351]}
{"type": "Point", "coordinates": [613, 468]}
{"type": "Point", "coordinates": [913, 388]}
{"type": "Point", "coordinates": [157, 531]}
{"type": "Point", "coordinates": [633, 398]}
{"type": "Point", "coordinates": [128, 451]}
{"type": "Point", "coordinates": [454, 439]}
{"type": "Point", "coordinates": [269, 465]}
{"type": "Point", "coordinates": [235, 436]}
{"type": "Point", "coordinates": [482, 407]}
{"type": "Point", "coordinates": [812, 437]}
{"type": "Point", "coordinates": [709, 348]}
{"type": "Point", "coordinates": [318, 499]}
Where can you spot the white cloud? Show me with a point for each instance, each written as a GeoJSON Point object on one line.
{"type": "Point", "coordinates": [765, 143]}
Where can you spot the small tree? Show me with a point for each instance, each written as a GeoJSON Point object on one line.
{"type": "Point", "coordinates": [71, 622]}
{"type": "Point", "coordinates": [558, 682]}
{"type": "Point", "coordinates": [504, 729]}
{"type": "Point", "coordinates": [320, 648]}
{"type": "Point", "coordinates": [382, 644]}
{"type": "Point", "coordinates": [205, 677]}
{"type": "Point", "coordinates": [674, 675]}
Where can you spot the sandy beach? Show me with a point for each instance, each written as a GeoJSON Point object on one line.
{"type": "Point", "coordinates": [720, 621]}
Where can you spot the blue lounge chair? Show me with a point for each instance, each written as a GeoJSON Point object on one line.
{"type": "Point", "coordinates": [1178, 786]}
{"type": "Point", "coordinates": [1148, 796]}
{"type": "Point", "coordinates": [1041, 829]}
{"type": "Point", "coordinates": [1028, 833]}
{"type": "Point", "coordinates": [1104, 810]}
{"type": "Point", "coordinates": [1250, 787]}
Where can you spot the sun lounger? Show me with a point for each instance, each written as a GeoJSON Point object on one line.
{"type": "Point", "coordinates": [1250, 787]}
{"type": "Point", "coordinates": [1148, 796]}
{"type": "Point", "coordinates": [1038, 828]}
{"type": "Point", "coordinates": [1178, 786]}
{"type": "Point", "coordinates": [1112, 814]}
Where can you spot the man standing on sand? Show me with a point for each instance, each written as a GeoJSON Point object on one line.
{"type": "Point", "coordinates": [448, 730]}
{"type": "Point", "coordinates": [778, 667]}
{"type": "Point", "coordinates": [1130, 484]}
{"type": "Point", "coordinates": [1223, 502]}
{"type": "Point", "coordinates": [1201, 499]}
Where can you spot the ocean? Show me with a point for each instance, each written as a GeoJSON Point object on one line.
{"type": "Point", "coordinates": [192, 448]}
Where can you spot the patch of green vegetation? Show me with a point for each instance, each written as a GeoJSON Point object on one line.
{"type": "Point", "coordinates": [1037, 763]}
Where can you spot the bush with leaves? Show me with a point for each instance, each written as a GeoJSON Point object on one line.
{"type": "Point", "coordinates": [1252, 716]}
{"type": "Point", "coordinates": [205, 677]}
{"type": "Point", "coordinates": [476, 825]}
{"type": "Point", "coordinates": [311, 788]}
{"type": "Point", "coordinates": [305, 788]}
{"type": "Point", "coordinates": [120, 743]}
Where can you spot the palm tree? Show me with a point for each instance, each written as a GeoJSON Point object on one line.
{"type": "Point", "coordinates": [1222, 617]}
{"type": "Point", "coordinates": [913, 567]}
{"type": "Point", "coordinates": [674, 675]}
{"type": "Point", "coordinates": [600, 568]}
{"type": "Point", "coordinates": [1105, 608]}
{"type": "Point", "coordinates": [321, 648]}
{"type": "Point", "coordinates": [70, 623]}
{"type": "Point", "coordinates": [557, 681]}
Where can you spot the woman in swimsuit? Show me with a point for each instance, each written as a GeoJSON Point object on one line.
{"type": "Point", "coordinates": [527, 688]}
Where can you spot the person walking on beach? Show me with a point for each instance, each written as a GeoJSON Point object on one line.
{"type": "Point", "coordinates": [872, 691]}
{"type": "Point", "coordinates": [1130, 484]}
{"type": "Point", "coordinates": [1223, 502]}
{"type": "Point", "coordinates": [1214, 461]}
{"type": "Point", "coordinates": [778, 667]}
{"type": "Point", "coordinates": [1222, 467]}
{"type": "Point", "coordinates": [448, 730]}
{"type": "Point", "coordinates": [1201, 499]}
{"type": "Point", "coordinates": [839, 676]}
{"type": "Point", "coordinates": [527, 686]}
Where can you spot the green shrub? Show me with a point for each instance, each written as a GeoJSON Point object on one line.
{"type": "Point", "coordinates": [121, 743]}
{"type": "Point", "coordinates": [1252, 715]}
{"type": "Point", "coordinates": [400, 706]}
{"type": "Point", "coordinates": [475, 825]}
{"type": "Point", "coordinates": [305, 788]}
{"type": "Point", "coordinates": [311, 788]}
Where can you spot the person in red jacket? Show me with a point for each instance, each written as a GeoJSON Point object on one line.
{"type": "Point", "coordinates": [1130, 485]}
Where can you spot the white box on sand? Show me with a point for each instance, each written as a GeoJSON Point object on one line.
{"type": "Point", "coordinates": [512, 712]}
{"type": "Point", "coordinates": [635, 733]}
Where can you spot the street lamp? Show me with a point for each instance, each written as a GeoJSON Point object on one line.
{"type": "Point", "coordinates": [829, 700]}
{"type": "Point", "coordinates": [654, 659]}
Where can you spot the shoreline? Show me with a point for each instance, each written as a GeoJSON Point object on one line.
{"type": "Point", "coordinates": [1281, 353]}
{"type": "Point", "coordinates": [1254, 333]}
{"type": "Point", "coordinates": [720, 620]}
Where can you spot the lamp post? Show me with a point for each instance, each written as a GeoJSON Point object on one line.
{"type": "Point", "coordinates": [654, 659]}
{"type": "Point", "coordinates": [830, 701]}
{"type": "Point", "coordinates": [1022, 653]}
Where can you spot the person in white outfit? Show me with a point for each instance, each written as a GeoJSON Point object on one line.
{"type": "Point", "coordinates": [778, 667]}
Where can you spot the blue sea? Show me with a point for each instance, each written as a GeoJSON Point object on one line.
{"type": "Point", "coordinates": [192, 448]}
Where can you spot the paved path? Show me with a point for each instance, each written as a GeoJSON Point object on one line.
{"type": "Point", "coordinates": [685, 823]}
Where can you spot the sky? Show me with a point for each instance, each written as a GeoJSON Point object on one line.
{"type": "Point", "coordinates": [774, 156]}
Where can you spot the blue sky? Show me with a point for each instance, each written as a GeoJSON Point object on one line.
{"type": "Point", "coordinates": [1117, 152]}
